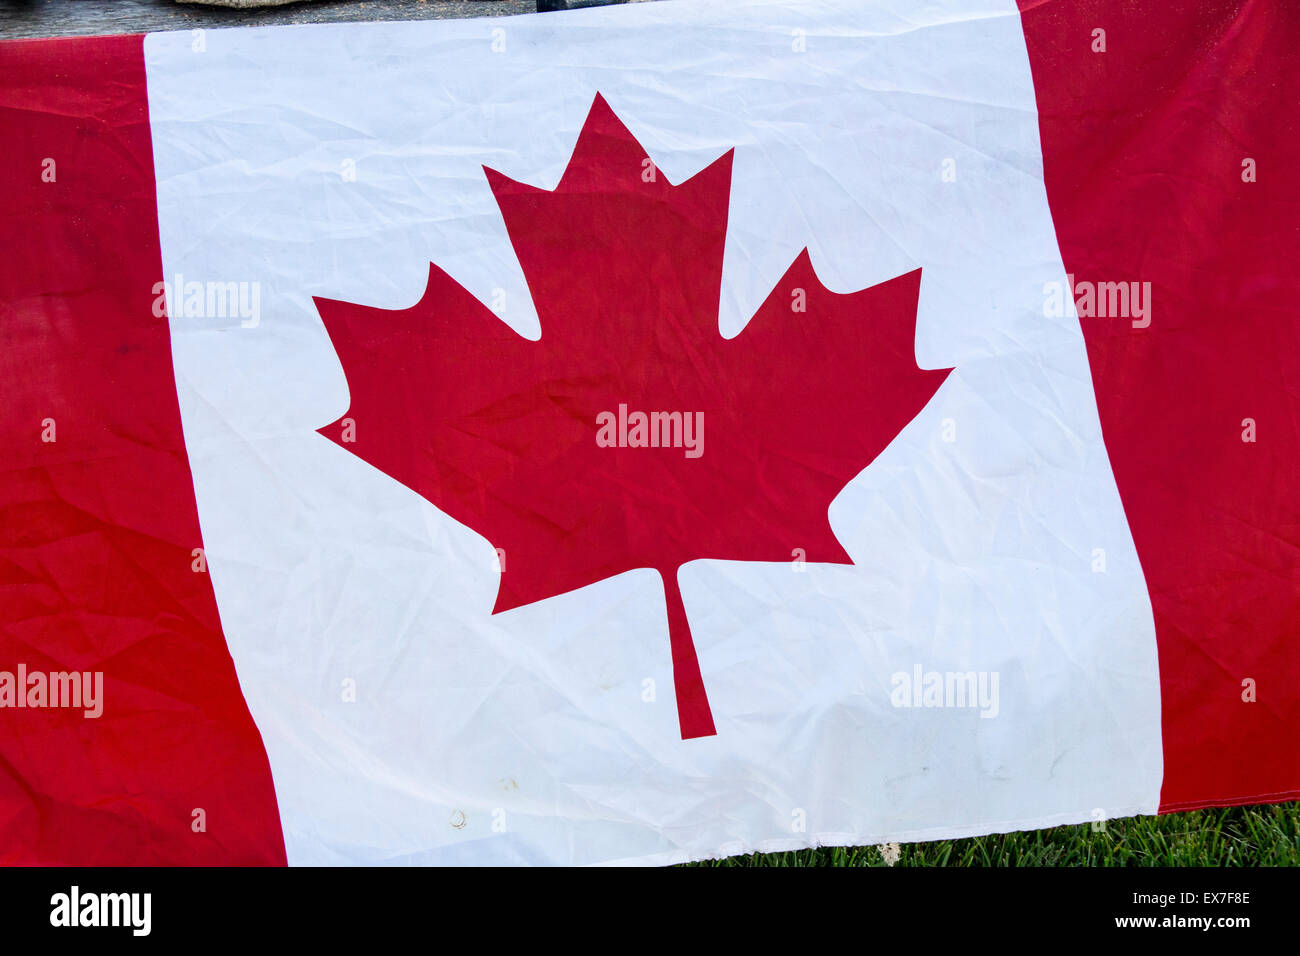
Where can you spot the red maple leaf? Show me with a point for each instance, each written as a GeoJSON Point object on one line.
{"type": "Point", "coordinates": [625, 271]}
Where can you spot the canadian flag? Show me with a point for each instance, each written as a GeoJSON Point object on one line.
{"type": "Point", "coordinates": [647, 434]}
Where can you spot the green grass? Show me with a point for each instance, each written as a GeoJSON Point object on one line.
{"type": "Point", "coordinates": [1235, 836]}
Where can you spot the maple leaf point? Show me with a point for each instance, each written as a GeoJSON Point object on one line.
{"type": "Point", "coordinates": [505, 434]}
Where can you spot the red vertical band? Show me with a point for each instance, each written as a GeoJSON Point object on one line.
{"type": "Point", "coordinates": [98, 523]}
{"type": "Point", "coordinates": [1170, 148]}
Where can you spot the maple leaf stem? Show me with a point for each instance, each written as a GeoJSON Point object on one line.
{"type": "Point", "coordinates": [693, 712]}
